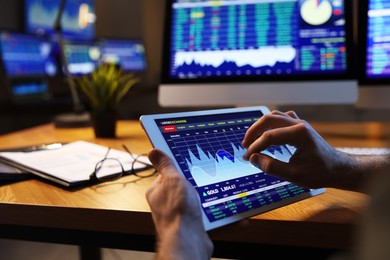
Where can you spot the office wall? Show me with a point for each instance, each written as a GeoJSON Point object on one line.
{"type": "Point", "coordinates": [140, 19]}
{"type": "Point", "coordinates": [153, 21]}
{"type": "Point", "coordinates": [10, 14]}
{"type": "Point", "coordinates": [119, 18]}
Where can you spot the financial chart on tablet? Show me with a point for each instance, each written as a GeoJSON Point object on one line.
{"type": "Point", "coordinates": [208, 150]}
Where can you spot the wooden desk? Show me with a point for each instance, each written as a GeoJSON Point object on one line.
{"type": "Point", "coordinates": [118, 216]}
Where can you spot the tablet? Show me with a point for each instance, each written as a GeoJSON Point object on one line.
{"type": "Point", "coordinates": [206, 148]}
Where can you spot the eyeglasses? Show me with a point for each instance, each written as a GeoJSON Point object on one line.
{"type": "Point", "coordinates": [109, 169]}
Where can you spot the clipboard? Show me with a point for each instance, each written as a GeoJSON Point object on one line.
{"type": "Point", "coordinates": [9, 173]}
{"type": "Point", "coordinates": [70, 165]}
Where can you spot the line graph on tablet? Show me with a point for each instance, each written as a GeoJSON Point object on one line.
{"type": "Point", "coordinates": [217, 157]}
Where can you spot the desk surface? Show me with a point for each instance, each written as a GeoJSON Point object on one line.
{"type": "Point", "coordinates": [324, 221]}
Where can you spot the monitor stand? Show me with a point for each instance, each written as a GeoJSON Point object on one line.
{"type": "Point", "coordinates": [374, 97]}
{"type": "Point", "coordinates": [78, 118]}
{"type": "Point", "coordinates": [73, 120]}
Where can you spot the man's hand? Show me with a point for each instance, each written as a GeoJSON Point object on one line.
{"type": "Point", "coordinates": [176, 213]}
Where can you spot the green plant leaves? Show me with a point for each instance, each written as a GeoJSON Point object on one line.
{"type": "Point", "coordinates": [106, 87]}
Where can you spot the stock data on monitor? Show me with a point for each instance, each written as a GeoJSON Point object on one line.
{"type": "Point", "coordinates": [257, 37]}
{"type": "Point", "coordinates": [129, 55]}
{"type": "Point", "coordinates": [209, 152]}
{"type": "Point", "coordinates": [83, 58]}
{"type": "Point", "coordinates": [378, 39]}
{"type": "Point", "coordinates": [27, 55]}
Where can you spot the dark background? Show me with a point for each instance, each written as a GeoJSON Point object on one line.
{"type": "Point", "coordinates": [135, 19]}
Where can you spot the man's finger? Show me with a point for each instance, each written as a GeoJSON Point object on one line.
{"type": "Point", "coordinates": [292, 114]}
{"type": "Point", "coordinates": [162, 162]}
{"type": "Point", "coordinates": [270, 165]}
{"type": "Point", "coordinates": [278, 136]}
{"type": "Point", "coordinates": [265, 123]}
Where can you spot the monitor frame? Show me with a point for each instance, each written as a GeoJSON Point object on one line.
{"type": "Point", "coordinates": [102, 40]}
{"type": "Point", "coordinates": [41, 81]}
{"type": "Point", "coordinates": [373, 92]}
{"type": "Point", "coordinates": [84, 44]}
{"type": "Point", "coordinates": [43, 39]}
{"type": "Point", "coordinates": [99, 44]}
{"type": "Point", "coordinates": [266, 90]}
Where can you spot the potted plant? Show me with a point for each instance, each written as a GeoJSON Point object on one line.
{"type": "Point", "coordinates": [104, 89]}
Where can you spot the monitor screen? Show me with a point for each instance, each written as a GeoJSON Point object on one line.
{"type": "Point", "coordinates": [269, 52]}
{"type": "Point", "coordinates": [25, 56]}
{"type": "Point", "coordinates": [129, 55]}
{"type": "Point", "coordinates": [374, 66]}
{"type": "Point", "coordinates": [78, 18]}
{"type": "Point", "coordinates": [377, 65]}
{"type": "Point", "coordinates": [23, 91]}
{"type": "Point", "coordinates": [82, 56]}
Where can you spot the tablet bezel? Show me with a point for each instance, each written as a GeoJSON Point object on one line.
{"type": "Point", "coordinates": [157, 140]}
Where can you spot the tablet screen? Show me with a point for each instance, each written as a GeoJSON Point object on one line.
{"type": "Point", "coordinates": [208, 150]}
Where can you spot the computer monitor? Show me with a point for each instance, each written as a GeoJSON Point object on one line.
{"type": "Point", "coordinates": [129, 55]}
{"type": "Point", "coordinates": [27, 61]}
{"type": "Point", "coordinates": [78, 19]}
{"type": "Point", "coordinates": [222, 53]}
{"type": "Point", "coordinates": [374, 66]}
{"type": "Point", "coordinates": [26, 56]}
{"type": "Point", "coordinates": [82, 56]}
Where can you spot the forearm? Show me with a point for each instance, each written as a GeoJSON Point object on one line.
{"type": "Point", "coordinates": [181, 241]}
{"type": "Point", "coordinates": [356, 172]}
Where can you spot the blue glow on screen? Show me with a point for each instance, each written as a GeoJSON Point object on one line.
{"type": "Point", "coordinates": [27, 55]}
{"type": "Point", "coordinates": [84, 56]}
{"type": "Point", "coordinates": [378, 39]}
{"type": "Point", "coordinates": [29, 89]}
{"type": "Point", "coordinates": [256, 38]}
{"type": "Point", "coordinates": [127, 54]}
{"type": "Point", "coordinates": [78, 19]}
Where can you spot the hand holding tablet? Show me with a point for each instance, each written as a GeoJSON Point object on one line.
{"type": "Point", "coordinates": [206, 149]}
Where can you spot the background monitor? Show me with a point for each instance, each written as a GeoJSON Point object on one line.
{"type": "Point", "coordinates": [26, 56]}
{"type": "Point", "coordinates": [127, 54]}
{"type": "Point", "coordinates": [82, 56]}
{"type": "Point", "coordinates": [374, 37]}
{"type": "Point", "coordinates": [29, 91]}
{"type": "Point", "coordinates": [78, 19]}
{"type": "Point", "coordinates": [27, 62]}
{"type": "Point", "coordinates": [219, 53]}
